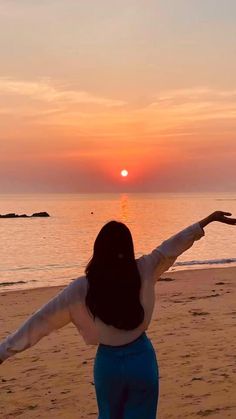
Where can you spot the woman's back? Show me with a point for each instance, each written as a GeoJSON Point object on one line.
{"type": "Point", "coordinates": [96, 331]}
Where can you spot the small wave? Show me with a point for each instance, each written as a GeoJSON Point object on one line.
{"type": "Point", "coordinates": [206, 262]}
{"type": "Point", "coordinates": [7, 284]}
{"type": "Point", "coordinates": [41, 268]}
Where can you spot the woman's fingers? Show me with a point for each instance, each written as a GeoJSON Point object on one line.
{"type": "Point", "coordinates": [222, 217]}
{"type": "Point", "coordinates": [230, 221]}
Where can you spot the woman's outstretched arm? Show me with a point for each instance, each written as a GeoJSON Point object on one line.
{"type": "Point", "coordinates": [163, 256]}
{"type": "Point", "coordinates": [53, 315]}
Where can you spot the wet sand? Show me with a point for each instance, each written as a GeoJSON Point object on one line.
{"type": "Point", "coordinates": [193, 331]}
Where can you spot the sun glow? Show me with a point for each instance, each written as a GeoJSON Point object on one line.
{"type": "Point", "coordinates": [124, 173]}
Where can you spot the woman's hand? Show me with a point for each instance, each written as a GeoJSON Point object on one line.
{"type": "Point", "coordinates": [219, 216]}
{"type": "Point", "coordinates": [222, 217]}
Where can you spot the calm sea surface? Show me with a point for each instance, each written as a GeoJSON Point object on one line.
{"type": "Point", "coordinates": [52, 251]}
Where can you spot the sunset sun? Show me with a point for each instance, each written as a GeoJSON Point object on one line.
{"type": "Point", "coordinates": [124, 173]}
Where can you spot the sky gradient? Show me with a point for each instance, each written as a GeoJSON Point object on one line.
{"type": "Point", "coordinates": [89, 88]}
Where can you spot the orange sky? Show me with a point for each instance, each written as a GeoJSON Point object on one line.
{"type": "Point", "coordinates": [147, 86]}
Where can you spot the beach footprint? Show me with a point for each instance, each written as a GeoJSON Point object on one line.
{"type": "Point", "coordinates": [198, 312]}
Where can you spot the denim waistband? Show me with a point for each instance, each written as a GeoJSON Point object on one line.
{"type": "Point", "coordinates": [126, 345]}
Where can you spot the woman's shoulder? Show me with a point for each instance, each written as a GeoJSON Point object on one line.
{"type": "Point", "coordinates": [77, 289]}
{"type": "Point", "coordinates": [143, 266]}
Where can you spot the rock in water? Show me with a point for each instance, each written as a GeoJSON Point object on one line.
{"type": "Point", "coordinates": [11, 215]}
{"type": "Point", "coordinates": [36, 214]}
{"type": "Point", "coordinates": [40, 214]}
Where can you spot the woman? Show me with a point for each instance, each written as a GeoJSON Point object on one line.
{"type": "Point", "coordinates": [112, 306]}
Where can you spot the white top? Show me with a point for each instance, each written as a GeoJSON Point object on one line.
{"type": "Point", "coordinates": [69, 305]}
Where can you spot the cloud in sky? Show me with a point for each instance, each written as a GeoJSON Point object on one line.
{"type": "Point", "coordinates": [197, 103]}
{"type": "Point", "coordinates": [44, 90]}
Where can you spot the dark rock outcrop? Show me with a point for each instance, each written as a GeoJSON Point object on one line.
{"type": "Point", "coordinates": [40, 214]}
{"type": "Point", "coordinates": [11, 215]}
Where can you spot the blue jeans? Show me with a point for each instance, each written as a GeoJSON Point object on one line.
{"type": "Point", "coordinates": [126, 380]}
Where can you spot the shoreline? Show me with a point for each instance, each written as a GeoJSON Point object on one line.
{"type": "Point", "coordinates": [176, 273]}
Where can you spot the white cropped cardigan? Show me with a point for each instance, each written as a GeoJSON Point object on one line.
{"type": "Point", "coordinates": [69, 305]}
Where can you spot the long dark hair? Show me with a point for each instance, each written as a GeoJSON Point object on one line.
{"type": "Point", "coordinates": [113, 279]}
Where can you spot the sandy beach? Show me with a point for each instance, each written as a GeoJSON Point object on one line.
{"type": "Point", "coordinates": [192, 330]}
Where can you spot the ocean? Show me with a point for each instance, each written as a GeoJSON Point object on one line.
{"type": "Point", "coordinates": [38, 252]}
